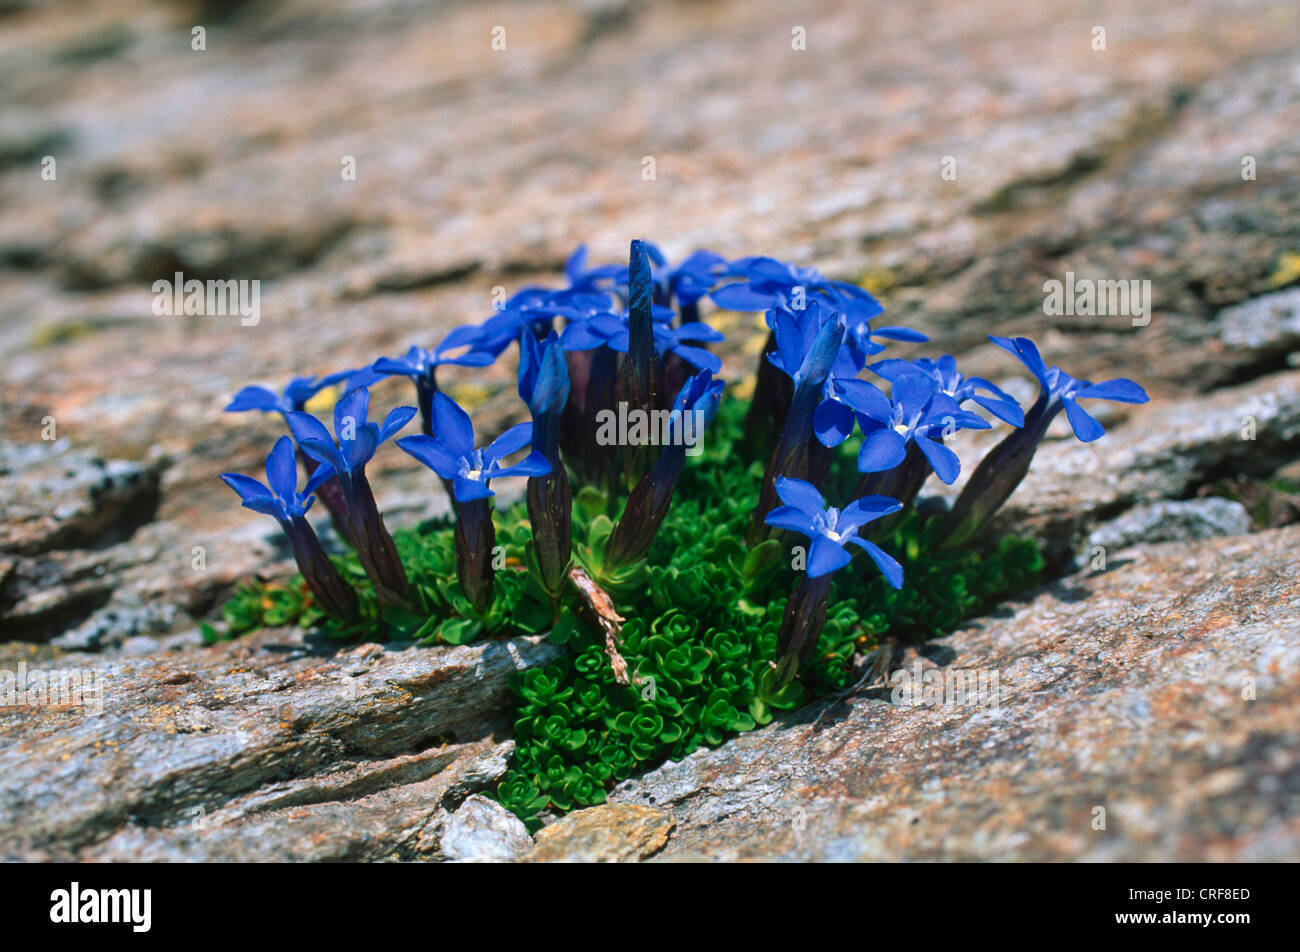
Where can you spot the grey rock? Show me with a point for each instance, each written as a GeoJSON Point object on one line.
{"type": "Point", "coordinates": [1173, 521]}
{"type": "Point", "coordinates": [481, 830]}
{"type": "Point", "coordinates": [1162, 692]}
{"type": "Point", "coordinates": [246, 735]}
{"type": "Point", "coordinates": [1268, 324]}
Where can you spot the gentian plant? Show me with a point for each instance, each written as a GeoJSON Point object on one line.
{"type": "Point", "coordinates": [692, 553]}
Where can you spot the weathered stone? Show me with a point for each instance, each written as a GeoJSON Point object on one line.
{"type": "Point", "coordinates": [245, 731]}
{"type": "Point", "coordinates": [1264, 325]}
{"type": "Point", "coordinates": [1161, 692]}
{"type": "Point", "coordinates": [482, 831]}
{"type": "Point", "coordinates": [1173, 521]}
{"type": "Point", "coordinates": [1112, 164]}
{"type": "Point", "coordinates": [609, 833]}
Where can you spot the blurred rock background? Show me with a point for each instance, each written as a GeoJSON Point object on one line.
{"type": "Point", "coordinates": [1171, 155]}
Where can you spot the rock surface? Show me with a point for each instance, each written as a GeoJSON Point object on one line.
{"type": "Point", "coordinates": [1176, 521]}
{"type": "Point", "coordinates": [1162, 692]}
{"type": "Point", "coordinates": [265, 748]}
{"type": "Point", "coordinates": [478, 169]}
{"type": "Point", "coordinates": [483, 831]}
{"type": "Point", "coordinates": [609, 833]}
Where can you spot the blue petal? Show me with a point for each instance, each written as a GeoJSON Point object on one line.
{"type": "Point", "coordinates": [889, 567]}
{"type": "Point", "coordinates": [865, 398]}
{"type": "Point", "coordinates": [800, 494]}
{"type": "Point", "coordinates": [698, 358]}
{"type": "Point", "coordinates": [351, 409]}
{"type": "Point", "coordinates": [1085, 426]}
{"type": "Point", "coordinates": [901, 334]}
{"type": "Point", "coordinates": [254, 495]}
{"type": "Point", "coordinates": [452, 426]}
{"type": "Point", "coordinates": [739, 297]}
{"type": "Point", "coordinates": [511, 441]}
{"type": "Point", "coordinates": [463, 335]}
{"type": "Point", "coordinates": [912, 391]}
{"type": "Point", "coordinates": [254, 398]}
{"type": "Point", "coordinates": [883, 449]}
{"type": "Point", "coordinates": [467, 490]}
{"type": "Point", "coordinates": [432, 454]}
{"type": "Point", "coordinates": [864, 510]}
{"type": "Point", "coordinates": [1008, 411]}
{"type": "Point", "coordinates": [944, 461]}
{"type": "Point", "coordinates": [361, 448]}
{"type": "Point", "coordinates": [580, 336]}
{"type": "Point", "coordinates": [1121, 389]}
{"type": "Point", "coordinates": [893, 368]}
{"type": "Point", "coordinates": [324, 451]}
{"type": "Point", "coordinates": [321, 475]}
{"type": "Point", "coordinates": [791, 518]}
{"type": "Point", "coordinates": [697, 331]}
{"type": "Point", "coordinates": [534, 464]}
{"type": "Point", "coordinates": [832, 422]}
{"type": "Point", "coordinates": [825, 556]}
{"type": "Point", "coordinates": [282, 469]}
{"type": "Point", "coordinates": [395, 366]}
{"type": "Point", "coordinates": [397, 418]}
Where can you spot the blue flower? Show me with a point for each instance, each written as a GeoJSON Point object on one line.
{"type": "Point", "coordinates": [777, 284]}
{"type": "Point", "coordinates": [357, 439]}
{"type": "Point", "coordinates": [950, 381]}
{"type": "Point", "coordinates": [582, 278]}
{"type": "Point", "coordinates": [453, 457]}
{"type": "Point", "coordinates": [1005, 466]}
{"type": "Point", "coordinates": [858, 337]}
{"type": "Point", "coordinates": [1060, 389]}
{"type": "Point", "coordinates": [418, 362]}
{"type": "Point", "coordinates": [296, 394]}
{"type": "Point", "coordinates": [685, 282]}
{"type": "Point", "coordinates": [842, 394]}
{"type": "Point", "coordinates": [607, 329]}
{"type": "Point", "coordinates": [279, 497]}
{"type": "Point", "coordinates": [914, 412]}
{"type": "Point", "coordinates": [831, 529]}
{"type": "Point", "coordinates": [357, 442]}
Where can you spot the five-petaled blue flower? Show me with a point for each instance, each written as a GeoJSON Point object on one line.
{"type": "Point", "coordinates": [417, 362]}
{"type": "Point", "coordinates": [296, 393]}
{"type": "Point", "coordinates": [1060, 389]}
{"type": "Point", "coordinates": [611, 330]}
{"type": "Point", "coordinates": [912, 414]}
{"type": "Point", "coordinates": [453, 456]}
{"type": "Point", "coordinates": [831, 529]}
{"type": "Point", "coordinates": [279, 497]}
{"type": "Point", "coordinates": [357, 439]}
{"type": "Point", "coordinates": [950, 381]}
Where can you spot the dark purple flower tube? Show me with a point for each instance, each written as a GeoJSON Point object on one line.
{"type": "Point", "coordinates": [475, 538]}
{"type": "Point", "coordinates": [648, 502]}
{"type": "Point", "coordinates": [544, 387]}
{"type": "Point", "coordinates": [331, 592]}
{"type": "Point", "coordinates": [357, 442]}
{"type": "Point", "coordinates": [470, 471]}
{"type": "Point", "coordinates": [638, 381]}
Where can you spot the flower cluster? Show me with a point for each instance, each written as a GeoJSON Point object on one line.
{"type": "Point", "coordinates": [824, 464]}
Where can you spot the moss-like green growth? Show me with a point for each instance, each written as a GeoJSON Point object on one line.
{"type": "Point", "coordinates": [700, 632]}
